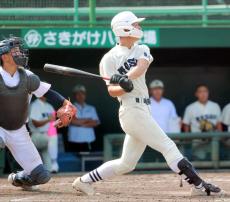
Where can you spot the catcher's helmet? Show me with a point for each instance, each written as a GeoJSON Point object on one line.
{"type": "Point", "coordinates": [121, 25]}
{"type": "Point", "coordinates": [20, 53]}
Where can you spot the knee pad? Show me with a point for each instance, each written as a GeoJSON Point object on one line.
{"type": "Point", "coordinates": [2, 143]}
{"type": "Point", "coordinates": [124, 168]}
{"type": "Point", "coordinates": [40, 175]}
{"type": "Point", "coordinates": [188, 170]}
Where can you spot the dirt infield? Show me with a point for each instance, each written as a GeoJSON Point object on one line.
{"type": "Point", "coordinates": [132, 188]}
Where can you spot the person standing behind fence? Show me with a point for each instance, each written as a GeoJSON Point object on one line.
{"type": "Point", "coordinates": [53, 144]}
{"type": "Point", "coordinates": [44, 134]}
{"type": "Point", "coordinates": [202, 115]}
{"type": "Point", "coordinates": [162, 109]}
{"type": "Point", "coordinates": [225, 120]}
{"type": "Point", "coordinates": [225, 117]}
{"type": "Point", "coordinates": [81, 131]}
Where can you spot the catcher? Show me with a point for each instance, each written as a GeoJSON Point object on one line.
{"type": "Point", "coordinates": [17, 85]}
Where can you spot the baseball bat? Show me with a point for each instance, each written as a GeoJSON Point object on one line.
{"type": "Point", "coordinates": [68, 71]}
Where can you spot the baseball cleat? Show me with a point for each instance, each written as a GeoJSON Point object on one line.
{"type": "Point", "coordinates": [11, 180]}
{"type": "Point", "coordinates": [17, 183]}
{"type": "Point", "coordinates": [206, 190]}
{"type": "Point", "coordinates": [84, 187]}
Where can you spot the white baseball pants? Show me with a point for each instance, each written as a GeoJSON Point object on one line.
{"type": "Point", "coordinates": [22, 148]}
{"type": "Point", "coordinates": [141, 130]}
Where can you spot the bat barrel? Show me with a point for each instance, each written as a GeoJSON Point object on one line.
{"type": "Point", "coordinates": [68, 71]}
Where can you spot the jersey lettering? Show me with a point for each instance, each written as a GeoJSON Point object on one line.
{"type": "Point", "coordinates": [45, 115]}
{"type": "Point", "coordinates": [122, 70]}
{"type": "Point", "coordinates": [206, 117]}
{"type": "Point", "coordinates": [127, 66]}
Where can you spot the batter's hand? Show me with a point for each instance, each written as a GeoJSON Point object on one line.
{"type": "Point", "coordinates": [115, 78]}
{"type": "Point", "coordinates": [123, 81]}
{"type": "Point", "coordinates": [126, 84]}
{"type": "Point", "coordinates": [65, 115]}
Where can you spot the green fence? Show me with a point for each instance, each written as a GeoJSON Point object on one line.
{"type": "Point", "coordinates": [116, 140]}
{"type": "Point", "coordinates": [75, 13]}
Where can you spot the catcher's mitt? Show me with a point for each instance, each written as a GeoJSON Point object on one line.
{"type": "Point", "coordinates": [65, 115]}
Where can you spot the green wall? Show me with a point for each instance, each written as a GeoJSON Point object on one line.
{"type": "Point", "coordinates": [194, 37]}
{"type": "Point", "coordinates": [170, 37]}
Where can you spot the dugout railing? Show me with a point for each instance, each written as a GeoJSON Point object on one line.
{"type": "Point", "coordinates": [116, 140]}
{"type": "Point", "coordinates": [203, 14]}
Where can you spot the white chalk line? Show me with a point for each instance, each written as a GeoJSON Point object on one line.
{"type": "Point", "coordinates": [33, 199]}
{"type": "Point", "coordinates": [21, 199]}
{"type": "Point", "coordinates": [55, 184]}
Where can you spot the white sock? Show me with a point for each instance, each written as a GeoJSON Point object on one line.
{"type": "Point", "coordinates": [174, 164]}
{"type": "Point", "coordinates": [92, 176]}
{"type": "Point", "coordinates": [105, 171]}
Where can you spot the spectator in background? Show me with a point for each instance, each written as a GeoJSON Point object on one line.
{"type": "Point", "coordinates": [162, 109]}
{"type": "Point", "coordinates": [53, 144]}
{"type": "Point", "coordinates": [202, 116]}
{"type": "Point", "coordinates": [44, 133]}
{"type": "Point", "coordinates": [81, 132]}
{"type": "Point", "coordinates": [225, 117]}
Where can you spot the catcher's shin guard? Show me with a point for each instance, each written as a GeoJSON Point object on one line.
{"type": "Point", "coordinates": [38, 176]}
{"type": "Point", "coordinates": [188, 170]}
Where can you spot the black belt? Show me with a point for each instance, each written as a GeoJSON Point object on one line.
{"type": "Point", "coordinates": [141, 100]}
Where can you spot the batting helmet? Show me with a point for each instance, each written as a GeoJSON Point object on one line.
{"type": "Point", "coordinates": [121, 25]}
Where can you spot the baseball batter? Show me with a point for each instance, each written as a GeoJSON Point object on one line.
{"type": "Point", "coordinates": [126, 64]}
{"type": "Point", "coordinates": [17, 85]}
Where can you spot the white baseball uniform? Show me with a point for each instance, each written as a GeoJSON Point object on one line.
{"type": "Point", "coordinates": [18, 141]}
{"type": "Point", "coordinates": [202, 118]}
{"type": "Point", "coordinates": [196, 113]}
{"type": "Point", "coordinates": [134, 115]}
{"type": "Point", "coordinates": [225, 117]}
{"type": "Point", "coordinates": [40, 110]}
{"type": "Point", "coordinates": [164, 113]}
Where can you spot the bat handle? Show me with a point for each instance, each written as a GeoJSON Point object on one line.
{"type": "Point", "coordinates": [106, 78]}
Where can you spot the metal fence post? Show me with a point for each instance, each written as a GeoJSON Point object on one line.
{"type": "Point", "coordinates": [76, 12]}
{"type": "Point", "coordinates": [204, 15]}
{"type": "Point", "coordinates": [92, 12]}
{"type": "Point", "coordinates": [215, 152]}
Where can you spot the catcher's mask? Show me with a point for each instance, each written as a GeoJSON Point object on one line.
{"type": "Point", "coordinates": [15, 46]}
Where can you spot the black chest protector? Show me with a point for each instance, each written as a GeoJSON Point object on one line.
{"type": "Point", "coordinates": [14, 101]}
